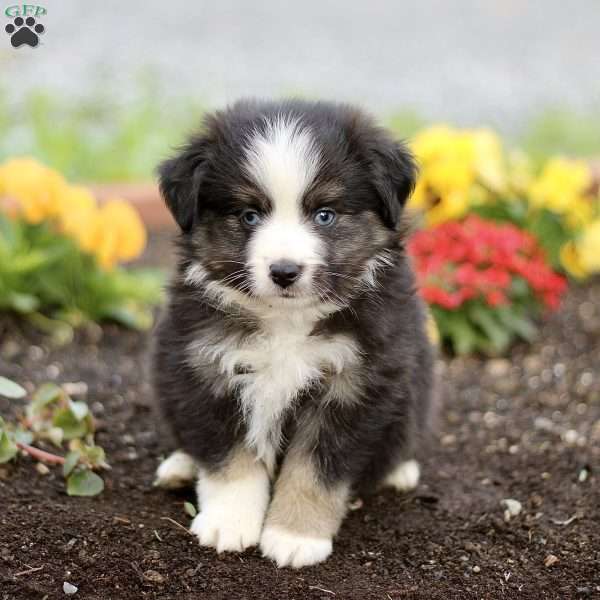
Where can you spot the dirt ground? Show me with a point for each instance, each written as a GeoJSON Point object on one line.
{"type": "Point", "coordinates": [526, 428]}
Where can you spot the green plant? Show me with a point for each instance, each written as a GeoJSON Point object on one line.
{"type": "Point", "coordinates": [52, 417]}
{"type": "Point", "coordinates": [43, 272]}
{"type": "Point", "coordinates": [559, 131]}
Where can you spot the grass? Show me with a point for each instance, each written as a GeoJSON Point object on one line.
{"type": "Point", "coordinates": [99, 139]}
{"type": "Point", "coordinates": [95, 138]}
{"type": "Point", "coordinates": [406, 123]}
{"type": "Point", "coordinates": [560, 131]}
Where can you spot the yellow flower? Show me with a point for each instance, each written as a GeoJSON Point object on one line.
{"type": "Point", "coordinates": [36, 188]}
{"type": "Point", "coordinates": [582, 256]}
{"type": "Point", "coordinates": [569, 257]}
{"type": "Point", "coordinates": [431, 328]}
{"type": "Point", "coordinates": [458, 168]}
{"type": "Point", "coordinates": [561, 183]}
{"type": "Point", "coordinates": [116, 234]}
{"type": "Point", "coordinates": [113, 232]}
{"type": "Point", "coordinates": [78, 214]}
{"type": "Point", "coordinates": [453, 206]}
{"type": "Point", "coordinates": [520, 172]}
{"type": "Point", "coordinates": [580, 213]}
{"type": "Point", "coordinates": [488, 159]}
{"type": "Point", "coordinates": [433, 143]}
{"type": "Point", "coordinates": [453, 172]}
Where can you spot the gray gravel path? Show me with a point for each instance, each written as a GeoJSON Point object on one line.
{"type": "Point", "coordinates": [496, 61]}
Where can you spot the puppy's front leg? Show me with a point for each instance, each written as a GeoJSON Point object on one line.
{"type": "Point", "coordinates": [232, 500]}
{"type": "Point", "coordinates": [304, 514]}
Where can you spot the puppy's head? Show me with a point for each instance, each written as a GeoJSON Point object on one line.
{"type": "Point", "coordinates": [287, 201]}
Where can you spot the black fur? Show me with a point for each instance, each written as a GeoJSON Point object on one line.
{"type": "Point", "coordinates": [367, 177]}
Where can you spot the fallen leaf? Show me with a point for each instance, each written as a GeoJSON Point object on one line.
{"type": "Point", "coordinates": [190, 509]}
{"type": "Point", "coordinates": [550, 560]}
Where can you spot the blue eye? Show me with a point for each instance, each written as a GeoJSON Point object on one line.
{"type": "Point", "coordinates": [324, 217]}
{"type": "Point", "coordinates": [250, 218]}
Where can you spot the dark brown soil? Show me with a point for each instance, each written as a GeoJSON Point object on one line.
{"type": "Point", "coordinates": [526, 428]}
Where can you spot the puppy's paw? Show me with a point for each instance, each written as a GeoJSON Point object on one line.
{"type": "Point", "coordinates": [226, 533]}
{"type": "Point", "coordinates": [177, 471]}
{"type": "Point", "coordinates": [232, 513]}
{"type": "Point", "coordinates": [405, 476]}
{"type": "Point", "coordinates": [290, 549]}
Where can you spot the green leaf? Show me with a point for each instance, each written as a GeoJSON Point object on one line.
{"type": "Point", "coordinates": [519, 288]}
{"type": "Point", "coordinates": [8, 449]}
{"type": "Point", "coordinates": [550, 232]}
{"type": "Point", "coordinates": [457, 328]}
{"type": "Point", "coordinates": [23, 436]}
{"type": "Point", "coordinates": [28, 262]}
{"type": "Point", "coordinates": [44, 395]}
{"type": "Point", "coordinates": [60, 331]}
{"type": "Point", "coordinates": [512, 210]}
{"type": "Point", "coordinates": [10, 389]}
{"type": "Point", "coordinates": [519, 324]}
{"type": "Point", "coordinates": [56, 436]}
{"type": "Point", "coordinates": [79, 409]}
{"type": "Point", "coordinates": [499, 337]}
{"type": "Point", "coordinates": [83, 482]}
{"type": "Point", "coordinates": [95, 455]}
{"type": "Point", "coordinates": [23, 303]}
{"type": "Point", "coordinates": [70, 463]}
{"type": "Point", "coordinates": [134, 317]}
{"type": "Point", "coordinates": [190, 509]}
{"type": "Point", "coordinates": [71, 426]}
{"type": "Point", "coordinates": [92, 454]}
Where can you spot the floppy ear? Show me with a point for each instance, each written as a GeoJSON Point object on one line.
{"type": "Point", "coordinates": [179, 181]}
{"type": "Point", "coordinates": [394, 176]}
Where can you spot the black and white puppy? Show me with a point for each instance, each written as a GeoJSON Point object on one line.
{"type": "Point", "coordinates": [293, 350]}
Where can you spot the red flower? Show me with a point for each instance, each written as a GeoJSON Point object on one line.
{"type": "Point", "coordinates": [435, 295]}
{"type": "Point", "coordinates": [496, 298]}
{"type": "Point", "coordinates": [476, 259]}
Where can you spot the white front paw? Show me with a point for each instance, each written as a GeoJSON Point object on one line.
{"type": "Point", "coordinates": [405, 476]}
{"type": "Point", "coordinates": [294, 550]}
{"type": "Point", "coordinates": [227, 532]}
{"type": "Point", "coordinates": [177, 471]}
{"type": "Point", "coordinates": [231, 512]}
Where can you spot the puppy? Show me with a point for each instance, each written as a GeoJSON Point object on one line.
{"type": "Point", "coordinates": [292, 354]}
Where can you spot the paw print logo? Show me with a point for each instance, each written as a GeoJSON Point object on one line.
{"type": "Point", "coordinates": [24, 31]}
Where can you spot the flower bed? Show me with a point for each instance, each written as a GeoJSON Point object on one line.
{"type": "Point", "coordinates": [484, 281]}
{"type": "Point", "coordinates": [60, 251]}
{"type": "Point", "coordinates": [498, 234]}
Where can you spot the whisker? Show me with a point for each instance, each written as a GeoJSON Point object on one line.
{"type": "Point", "coordinates": [233, 276]}
{"type": "Point", "coordinates": [219, 262]}
{"type": "Point", "coordinates": [343, 276]}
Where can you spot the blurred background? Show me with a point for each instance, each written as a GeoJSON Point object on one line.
{"type": "Point", "coordinates": [113, 84]}
{"type": "Point", "coordinates": [499, 101]}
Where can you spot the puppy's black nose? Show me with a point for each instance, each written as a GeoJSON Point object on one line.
{"type": "Point", "coordinates": [285, 272]}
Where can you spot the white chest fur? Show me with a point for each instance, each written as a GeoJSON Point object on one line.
{"type": "Point", "coordinates": [272, 366]}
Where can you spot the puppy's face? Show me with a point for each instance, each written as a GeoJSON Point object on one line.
{"type": "Point", "coordinates": [288, 201]}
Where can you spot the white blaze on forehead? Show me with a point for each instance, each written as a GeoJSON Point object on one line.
{"type": "Point", "coordinates": [283, 160]}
